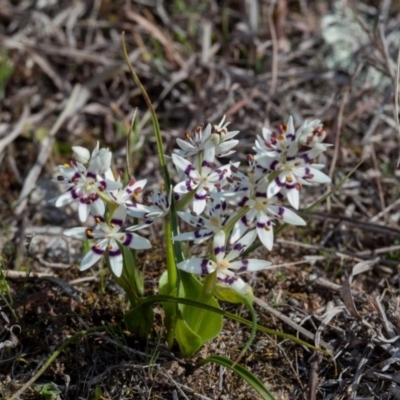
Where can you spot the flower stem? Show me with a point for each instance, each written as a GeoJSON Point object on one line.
{"type": "Point", "coordinates": [170, 320]}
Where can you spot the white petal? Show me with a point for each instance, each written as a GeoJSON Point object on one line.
{"type": "Point", "coordinates": [293, 196]}
{"type": "Point", "coordinates": [219, 248]}
{"type": "Point", "coordinates": [292, 218]}
{"type": "Point", "coordinates": [249, 265]}
{"type": "Point", "coordinates": [236, 283]}
{"type": "Point", "coordinates": [224, 147]}
{"type": "Point", "coordinates": [84, 211]}
{"type": "Point", "coordinates": [181, 163]}
{"type": "Point", "coordinates": [266, 236]}
{"type": "Point", "coordinates": [98, 208]}
{"type": "Point", "coordinates": [194, 220]}
{"type": "Point", "coordinates": [186, 146]}
{"type": "Point", "coordinates": [64, 199]}
{"type": "Point", "coordinates": [241, 245]}
{"type": "Point", "coordinates": [117, 264]}
{"type": "Point", "coordinates": [319, 177]}
{"type": "Point", "coordinates": [208, 159]}
{"type": "Point", "coordinates": [133, 240]}
{"type": "Point", "coordinates": [273, 189]}
{"type": "Point", "coordinates": [76, 233]}
{"type": "Point", "coordinates": [90, 258]}
{"type": "Point", "coordinates": [199, 266]}
{"type": "Point", "coordinates": [242, 226]}
{"type": "Point", "coordinates": [81, 154]}
{"type": "Point", "coordinates": [118, 218]}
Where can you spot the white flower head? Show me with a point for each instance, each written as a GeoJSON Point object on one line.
{"type": "Point", "coordinates": [107, 237]}
{"type": "Point", "coordinates": [204, 180]}
{"type": "Point", "coordinates": [83, 186]}
{"type": "Point", "coordinates": [227, 269]}
{"type": "Point", "coordinates": [207, 225]}
{"type": "Point", "coordinates": [157, 206]}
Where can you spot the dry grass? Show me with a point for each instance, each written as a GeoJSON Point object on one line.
{"type": "Point", "coordinates": [66, 84]}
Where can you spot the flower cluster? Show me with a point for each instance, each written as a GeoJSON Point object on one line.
{"type": "Point", "coordinates": [91, 183]}
{"type": "Point", "coordinates": [224, 204]}
{"type": "Point", "coordinates": [234, 208]}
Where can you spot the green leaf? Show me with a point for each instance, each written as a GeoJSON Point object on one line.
{"type": "Point", "coordinates": [244, 373]}
{"type": "Point", "coordinates": [206, 324]}
{"type": "Point", "coordinates": [199, 326]}
{"type": "Point", "coordinates": [163, 298]}
{"type": "Point", "coordinates": [189, 342]}
{"type": "Point", "coordinates": [48, 391]}
{"type": "Point", "coordinates": [140, 320]}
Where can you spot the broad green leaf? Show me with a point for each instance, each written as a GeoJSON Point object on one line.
{"type": "Point", "coordinates": [206, 324]}
{"type": "Point", "coordinates": [244, 373]}
{"type": "Point", "coordinates": [189, 342]}
{"type": "Point", "coordinates": [201, 324]}
{"type": "Point", "coordinates": [163, 298]}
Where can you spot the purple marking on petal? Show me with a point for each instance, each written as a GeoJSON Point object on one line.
{"type": "Point", "coordinates": [229, 280]}
{"type": "Point", "coordinates": [306, 158]}
{"type": "Point", "coordinates": [204, 266]}
{"type": "Point", "coordinates": [279, 182]}
{"type": "Point", "coordinates": [217, 207]}
{"type": "Point", "coordinates": [291, 186]}
{"type": "Point", "coordinates": [91, 175]}
{"type": "Point", "coordinates": [280, 196]}
{"type": "Point", "coordinates": [218, 250]}
{"type": "Point", "coordinates": [97, 250]}
{"type": "Point", "coordinates": [222, 171]}
{"type": "Point", "coordinates": [239, 247]}
{"type": "Point", "coordinates": [189, 185]}
{"type": "Point", "coordinates": [102, 185]}
{"type": "Point", "coordinates": [197, 234]}
{"type": "Point", "coordinates": [243, 201]}
{"type": "Point", "coordinates": [244, 267]}
{"type": "Point", "coordinates": [260, 225]}
{"type": "Point", "coordinates": [128, 239]}
{"type": "Point", "coordinates": [189, 169]}
{"type": "Point", "coordinates": [200, 196]}
{"type": "Point", "coordinates": [129, 191]}
{"type": "Point", "coordinates": [281, 211]}
{"type": "Point", "coordinates": [290, 136]}
{"type": "Point", "coordinates": [117, 221]}
{"type": "Point", "coordinates": [74, 194]}
{"type": "Point", "coordinates": [261, 194]}
{"type": "Point", "coordinates": [274, 164]}
{"type": "Point", "coordinates": [307, 174]}
{"type": "Point", "coordinates": [114, 253]}
{"type": "Point", "coordinates": [206, 163]}
{"type": "Point", "coordinates": [245, 220]}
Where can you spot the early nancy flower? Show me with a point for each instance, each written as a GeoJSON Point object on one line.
{"type": "Point", "coordinates": [84, 186]}
{"type": "Point", "coordinates": [203, 181]}
{"type": "Point", "coordinates": [107, 237]}
{"type": "Point", "coordinates": [226, 268]}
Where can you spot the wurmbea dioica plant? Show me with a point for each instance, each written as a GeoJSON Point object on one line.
{"type": "Point", "coordinates": [227, 208]}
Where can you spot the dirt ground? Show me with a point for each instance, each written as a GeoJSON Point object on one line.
{"type": "Point", "coordinates": [63, 82]}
